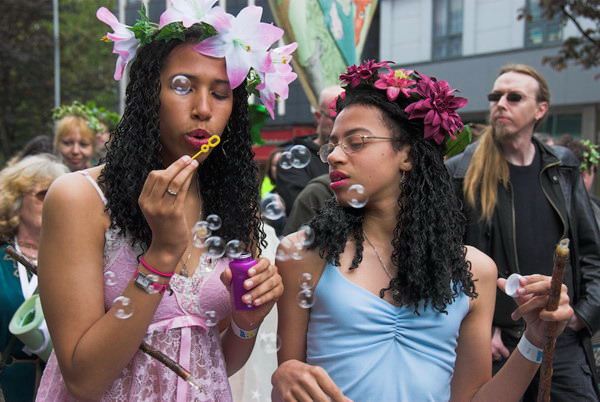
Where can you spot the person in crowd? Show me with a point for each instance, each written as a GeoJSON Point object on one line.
{"type": "Point", "coordinates": [23, 187]}
{"type": "Point", "coordinates": [270, 182]}
{"type": "Point", "coordinates": [291, 181]}
{"type": "Point", "coordinates": [74, 141]}
{"type": "Point", "coordinates": [544, 138]}
{"type": "Point", "coordinates": [40, 144]}
{"type": "Point", "coordinates": [520, 198]}
{"type": "Point", "coordinates": [131, 221]}
{"type": "Point", "coordinates": [401, 309]}
{"type": "Point", "coordinates": [309, 201]}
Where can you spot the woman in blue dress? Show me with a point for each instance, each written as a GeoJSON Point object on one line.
{"type": "Point", "coordinates": [402, 309]}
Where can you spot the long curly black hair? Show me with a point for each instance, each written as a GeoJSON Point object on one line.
{"type": "Point", "coordinates": [227, 179]}
{"type": "Point", "coordinates": [428, 251]}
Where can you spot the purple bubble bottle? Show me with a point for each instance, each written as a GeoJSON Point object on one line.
{"type": "Point", "coordinates": [239, 268]}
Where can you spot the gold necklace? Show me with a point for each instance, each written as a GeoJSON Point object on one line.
{"type": "Point", "coordinates": [378, 256]}
{"type": "Point", "coordinates": [184, 264]}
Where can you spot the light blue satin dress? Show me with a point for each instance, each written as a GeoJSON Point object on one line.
{"type": "Point", "coordinates": [375, 351]}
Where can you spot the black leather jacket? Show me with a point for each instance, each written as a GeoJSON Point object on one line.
{"type": "Point", "coordinates": [561, 182]}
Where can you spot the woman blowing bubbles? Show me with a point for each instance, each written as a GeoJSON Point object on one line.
{"type": "Point", "coordinates": [402, 310]}
{"type": "Point", "coordinates": [108, 229]}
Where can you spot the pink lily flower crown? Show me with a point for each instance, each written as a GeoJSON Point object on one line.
{"type": "Point", "coordinates": [243, 41]}
{"type": "Point", "coordinates": [429, 99]}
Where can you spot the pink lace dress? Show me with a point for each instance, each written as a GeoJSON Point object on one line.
{"type": "Point", "coordinates": [178, 329]}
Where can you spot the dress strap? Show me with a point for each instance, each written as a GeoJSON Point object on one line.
{"type": "Point", "coordinates": [96, 186]}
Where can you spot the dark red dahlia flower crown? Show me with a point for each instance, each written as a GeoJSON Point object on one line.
{"type": "Point", "coordinates": [429, 99]}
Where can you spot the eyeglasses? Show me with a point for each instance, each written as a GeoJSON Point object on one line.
{"type": "Point", "coordinates": [351, 144]}
{"type": "Point", "coordinates": [40, 195]}
{"type": "Point", "coordinates": [511, 97]}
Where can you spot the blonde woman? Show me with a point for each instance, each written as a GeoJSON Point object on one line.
{"type": "Point", "coordinates": [74, 141]}
{"type": "Point", "coordinates": [23, 187]}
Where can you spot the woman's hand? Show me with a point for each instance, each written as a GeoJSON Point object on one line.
{"type": "Point", "coordinates": [264, 287]}
{"type": "Point", "coordinates": [162, 203]}
{"type": "Point", "coordinates": [533, 297]}
{"type": "Point", "coordinates": [297, 381]}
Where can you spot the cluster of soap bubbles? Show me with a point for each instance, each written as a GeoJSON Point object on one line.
{"type": "Point", "coordinates": [294, 250]}
{"type": "Point", "coordinates": [215, 246]}
{"type": "Point", "coordinates": [298, 157]}
{"type": "Point", "coordinates": [306, 295]}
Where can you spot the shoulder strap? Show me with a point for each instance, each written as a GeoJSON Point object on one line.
{"type": "Point", "coordinates": [96, 186]}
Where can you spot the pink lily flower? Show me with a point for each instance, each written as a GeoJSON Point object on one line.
{"type": "Point", "coordinates": [395, 82]}
{"type": "Point", "coordinates": [282, 56]}
{"type": "Point", "coordinates": [188, 12]}
{"type": "Point", "coordinates": [275, 85]}
{"type": "Point", "coordinates": [125, 42]}
{"type": "Point", "coordinates": [242, 40]}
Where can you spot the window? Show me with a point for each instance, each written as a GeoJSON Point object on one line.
{"type": "Point", "coordinates": [447, 28]}
{"type": "Point", "coordinates": [559, 124]}
{"type": "Point", "coordinates": [540, 31]}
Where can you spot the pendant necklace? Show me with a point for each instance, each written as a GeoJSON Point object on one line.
{"type": "Point", "coordinates": [394, 292]}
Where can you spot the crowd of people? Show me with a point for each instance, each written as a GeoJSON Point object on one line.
{"type": "Point", "coordinates": [390, 282]}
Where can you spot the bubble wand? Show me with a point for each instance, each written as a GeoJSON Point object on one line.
{"type": "Point", "coordinates": [144, 347]}
{"type": "Point", "coordinates": [213, 141]}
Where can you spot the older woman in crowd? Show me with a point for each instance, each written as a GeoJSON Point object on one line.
{"type": "Point", "coordinates": [23, 187]}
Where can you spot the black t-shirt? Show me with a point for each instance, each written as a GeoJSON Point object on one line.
{"type": "Point", "coordinates": [537, 225]}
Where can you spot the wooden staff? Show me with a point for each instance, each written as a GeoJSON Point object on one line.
{"type": "Point", "coordinates": [561, 256]}
{"type": "Point", "coordinates": [144, 347]}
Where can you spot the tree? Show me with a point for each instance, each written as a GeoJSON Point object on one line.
{"type": "Point", "coordinates": [27, 66]}
{"type": "Point", "coordinates": [584, 49]}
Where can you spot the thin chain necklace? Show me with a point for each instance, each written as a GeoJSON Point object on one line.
{"type": "Point", "coordinates": [378, 256]}
{"type": "Point", "coordinates": [184, 264]}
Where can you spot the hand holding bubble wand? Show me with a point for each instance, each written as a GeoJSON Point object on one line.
{"type": "Point", "coordinates": [144, 347]}
{"type": "Point", "coordinates": [213, 141]}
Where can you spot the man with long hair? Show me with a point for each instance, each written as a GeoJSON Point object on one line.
{"type": "Point", "coordinates": [521, 197]}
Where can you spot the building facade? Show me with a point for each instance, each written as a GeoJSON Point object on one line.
{"type": "Point", "coordinates": [468, 41]}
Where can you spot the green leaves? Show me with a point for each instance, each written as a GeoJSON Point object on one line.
{"type": "Point", "coordinates": [456, 146]}
{"type": "Point", "coordinates": [172, 31]}
{"type": "Point", "coordinates": [144, 28]}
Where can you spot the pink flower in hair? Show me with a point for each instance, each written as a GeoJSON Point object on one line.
{"type": "Point", "coordinates": [242, 40]}
{"type": "Point", "coordinates": [356, 74]}
{"type": "Point", "coordinates": [275, 85]}
{"type": "Point", "coordinates": [395, 82]}
{"type": "Point", "coordinates": [188, 12]}
{"type": "Point", "coordinates": [333, 104]}
{"type": "Point", "coordinates": [437, 108]}
{"type": "Point", "coordinates": [125, 43]}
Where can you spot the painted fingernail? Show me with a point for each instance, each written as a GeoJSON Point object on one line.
{"type": "Point", "coordinates": [256, 302]}
{"type": "Point", "coordinates": [185, 158]}
{"type": "Point", "coordinates": [247, 298]}
{"type": "Point", "coordinates": [248, 284]}
{"type": "Point", "coordinates": [251, 271]}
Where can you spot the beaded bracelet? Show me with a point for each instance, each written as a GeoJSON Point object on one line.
{"type": "Point", "coordinates": [149, 268]}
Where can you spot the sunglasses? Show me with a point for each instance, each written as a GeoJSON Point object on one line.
{"type": "Point", "coordinates": [511, 97]}
{"type": "Point", "coordinates": [40, 195]}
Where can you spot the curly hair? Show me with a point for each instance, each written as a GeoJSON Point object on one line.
{"type": "Point", "coordinates": [18, 179]}
{"type": "Point", "coordinates": [427, 241]}
{"type": "Point", "coordinates": [227, 179]}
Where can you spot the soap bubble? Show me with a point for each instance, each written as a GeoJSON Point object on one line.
{"type": "Point", "coordinates": [305, 298]}
{"type": "Point", "coordinates": [110, 278]}
{"type": "Point", "coordinates": [285, 160]}
{"type": "Point", "coordinates": [210, 318]}
{"type": "Point", "coordinates": [234, 248]}
{"type": "Point", "coordinates": [201, 231]}
{"type": "Point", "coordinates": [214, 222]}
{"type": "Point", "coordinates": [153, 278]}
{"type": "Point", "coordinates": [205, 265]}
{"type": "Point", "coordinates": [272, 206]}
{"type": "Point", "coordinates": [297, 251]}
{"type": "Point", "coordinates": [215, 247]}
{"type": "Point", "coordinates": [300, 156]}
{"type": "Point", "coordinates": [307, 235]}
{"type": "Point", "coordinates": [181, 84]}
{"type": "Point", "coordinates": [306, 281]}
{"type": "Point", "coordinates": [357, 195]}
{"type": "Point", "coordinates": [123, 307]}
{"type": "Point", "coordinates": [270, 342]}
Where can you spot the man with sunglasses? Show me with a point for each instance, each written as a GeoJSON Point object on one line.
{"type": "Point", "coordinates": [291, 181]}
{"type": "Point", "coordinates": [520, 198]}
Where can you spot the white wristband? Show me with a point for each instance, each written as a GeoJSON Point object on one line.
{"type": "Point", "coordinates": [529, 350]}
{"type": "Point", "coordinates": [242, 333]}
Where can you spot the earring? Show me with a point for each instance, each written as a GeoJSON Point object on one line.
{"type": "Point", "coordinates": [403, 178]}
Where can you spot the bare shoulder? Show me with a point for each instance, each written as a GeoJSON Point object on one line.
{"type": "Point", "coordinates": [294, 259]}
{"type": "Point", "coordinates": [482, 266]}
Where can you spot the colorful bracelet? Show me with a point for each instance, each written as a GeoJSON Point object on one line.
{"type": "Point", "coordinates": [149, 268]}
{"type": "Point", "coordinates": [242, 333]}
{"type": "Point", "coordinates": [529, 350]}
